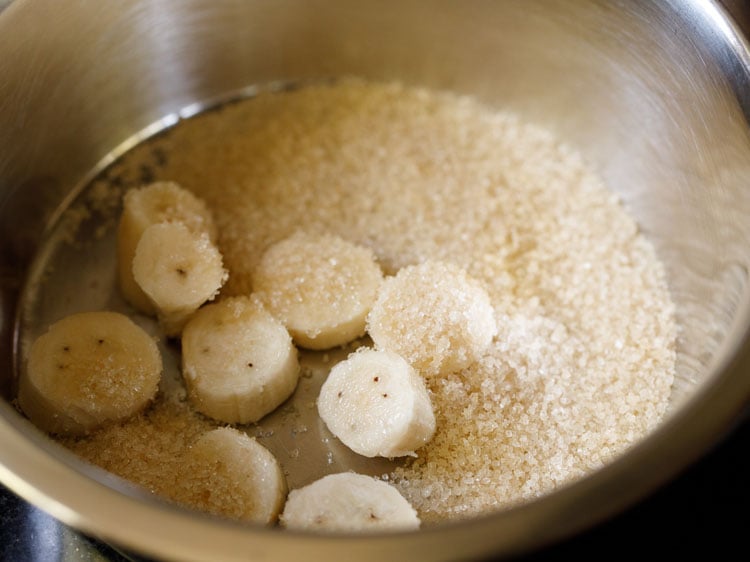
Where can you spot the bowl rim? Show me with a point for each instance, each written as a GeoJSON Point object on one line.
{"type": "Point", "coordinates": [105, 507]}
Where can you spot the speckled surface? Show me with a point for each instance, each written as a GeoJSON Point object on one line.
{"type": "Point", "coordinates": [29, 534]}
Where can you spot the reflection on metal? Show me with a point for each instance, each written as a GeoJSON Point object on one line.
{"type": "Point", "coordinates": [649, 92]}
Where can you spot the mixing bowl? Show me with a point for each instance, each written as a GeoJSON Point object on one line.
{"type": "Point", "coordinates": [655, 94]}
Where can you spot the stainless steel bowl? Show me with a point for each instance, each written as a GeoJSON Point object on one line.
{"type": "Point", "coordinates": [655, 94]}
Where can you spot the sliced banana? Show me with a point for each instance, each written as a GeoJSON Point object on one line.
{"type": "Point", "coordinates": [320, 287]}
{"type": "Point", "coordinates": [377, 405]}
{"type": "Point", "coordinates": [435, 316]}
{"type": "Point", "coordinates": [348, 502]}
{"type": "Point", "coordinates": [154, 203]}
{"type": "Point", "coordinates": [88, 369]}
{"type": "Point", "coordinates": [178, 270]}
{"type": "Point", "coordinates": [229, 474]}
{"type": "Point", "coordinates": [238, 361]}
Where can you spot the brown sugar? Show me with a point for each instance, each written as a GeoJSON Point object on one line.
{"type": "Point", "coordinates": [583, 361]}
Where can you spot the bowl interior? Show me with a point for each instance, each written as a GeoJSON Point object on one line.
{"type": "Point", "coordinates": [655, 96]}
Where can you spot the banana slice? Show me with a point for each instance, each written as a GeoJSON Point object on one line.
{"type": "Point", "coordinates": [142, 207]}
{"type": "Point", "coordinates": [238, 361]}
{"type": "Point", "coordinates": [435, 316]}
{"type": "Point", "coordinates": [377, 405]}
{"type": "Point", "coordinates": [179, 270]}
{"type": "Point", "coordinates": [88, 369]}
{"type": "Point", "coordinates": [229, 474]}
{"type": "Point", "coordinates": [320, 287]}
{"type": "Point", "coordinates": [348, 502]}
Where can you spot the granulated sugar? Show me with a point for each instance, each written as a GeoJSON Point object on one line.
{"type": "Point", "coordinates": [583, 362]}
{"type": "Point", "coordinates": [434, 316]}
{"type": "Point", "coordinates": [148, 449]}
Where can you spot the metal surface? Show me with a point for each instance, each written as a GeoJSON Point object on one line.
{"type": "Point", "coordinates": [656, 95]}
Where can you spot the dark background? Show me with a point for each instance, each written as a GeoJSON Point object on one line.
{"type": "Point", "coordinates": [701, 514]}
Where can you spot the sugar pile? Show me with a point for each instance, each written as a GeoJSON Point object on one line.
{"type": "Point", "coordinates": [583, 363]}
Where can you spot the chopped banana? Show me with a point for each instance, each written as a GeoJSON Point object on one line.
{"type": "Point", "coordinates": [348, 502]}
{"type": "Point", "coordinates": [238, 361]}
{"type": "Point", "coordinates": [320, 287]}
{"type": "Point", "coordinates": [154, 203]}
{"type": "Point", "coordinates": [179, 270]}
{"type": "Point", "coordinates": [229, 474]}
{"type": "Point", "coordinates": [88, 369]}
{"type": "Point", "coordinates": [435, 316]}
{"type": "Point", "coordinates": [377, 405]}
